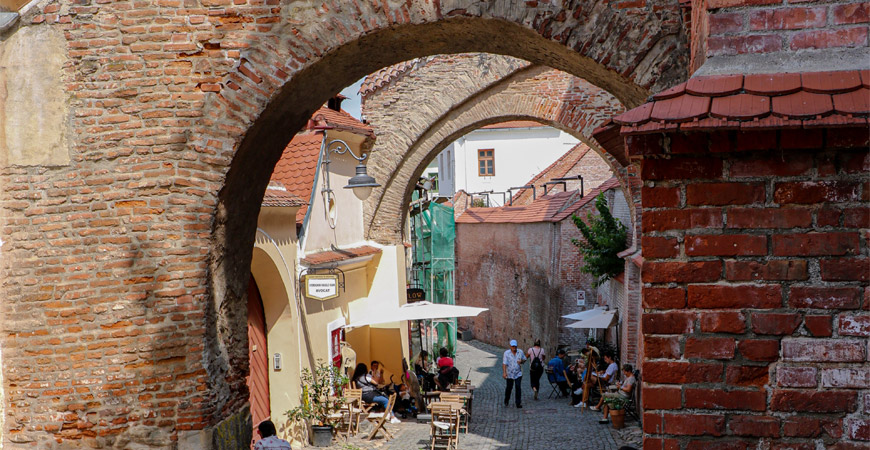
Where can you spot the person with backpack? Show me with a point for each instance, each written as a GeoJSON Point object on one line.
{"type": "Point", "coordinates": [536, 368]}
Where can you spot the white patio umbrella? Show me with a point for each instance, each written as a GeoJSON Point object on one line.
{"type": "Point", "coordinates": [602, 320]}
{"type": "Point", "coordinates": [418, 311]}
{"type": "Point", "coordinates": [589, 313]}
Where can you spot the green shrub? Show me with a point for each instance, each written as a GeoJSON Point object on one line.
{"type": "Point", "coordinates": [603, 238]}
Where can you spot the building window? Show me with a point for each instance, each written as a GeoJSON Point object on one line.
{"type": "Point", "coordinates": [486, 162]}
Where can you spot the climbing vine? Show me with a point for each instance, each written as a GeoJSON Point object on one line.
{"type": "Point", "coordinates": [603, 238]}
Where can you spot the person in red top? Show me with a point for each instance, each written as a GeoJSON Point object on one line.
{"type": "Point", "coordinates": [447, 374]}
{"type": "Point", "coordinates": [444, 360]}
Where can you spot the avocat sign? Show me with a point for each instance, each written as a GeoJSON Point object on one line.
{"type": "Point", "coordinates": [321, 287]}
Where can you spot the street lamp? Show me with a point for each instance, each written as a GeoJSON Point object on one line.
{"type": "Point", "coordinates": [362, 183]}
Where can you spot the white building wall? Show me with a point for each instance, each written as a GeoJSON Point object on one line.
{"type": "Point", "coordinates": [519, 153]}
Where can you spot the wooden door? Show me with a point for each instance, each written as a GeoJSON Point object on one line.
{"type": "Point", "coordinates": [258, 357]}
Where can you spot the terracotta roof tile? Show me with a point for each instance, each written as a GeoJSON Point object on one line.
{"type": "Point", "coordinates": [765, 101]}
{"type": "Point", "coordinates": [558, 169]}
{"type": "Point", "coordinates": [549, 208]}
{"type": "Point", "coordinates": [715, 85]}
{"type": "Point", "coordinates": [831, 82]}
{"type": "Point", "coordinates": [865, 78]}
{"type": "Point", "coordinates": [802, 104]}
{"type": "Point", "coordinates": [341, 120]}
{"type": "Point", "coordinates": [740, 106]}
{"type": "Point", "coordinates": [379, 79]}
{"type": "Point", "coordinates": [297, 167]}
{"type": "Point", "coordinates": [774, 84]}
{"type": "Point", "coordinates": [337, 255]}
{"type": "Point", "coordinates": [855, 102]}
{"type": "Point", "coordinates": [680, 109]}
{"type": "Point", "coordinates": [276, 195]}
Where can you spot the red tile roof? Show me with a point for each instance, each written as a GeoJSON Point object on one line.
{"type": "Point", "coordinates": [341, 120]}
{"type": "Point", "coordinates": [513, 124]}
{"type": "Point", "coordinates": [550, 208]}
{"type": "Point", "coordinates": [277, 195]}
{"type": "Point", "coordinates": [379, 79]}
{"type": "Point", "coordinates": [331, 256]}
{"type": "Point", "coordinates": [558, 169]}
{"type": "Point", "coordinates": [297, 167]}
{"type": "Point", "coordinates": [298, 164]}
{"type": "Point", "coordinates": [754, 101]}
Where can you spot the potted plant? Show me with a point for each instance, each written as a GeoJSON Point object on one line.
{"type": "Point", "coordinates": [322, 398]}
{"type": "Point", "coordinates": [617, 410]}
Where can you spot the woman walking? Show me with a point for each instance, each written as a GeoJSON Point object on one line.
{"type": "Point", "coordinates": [536, 369]}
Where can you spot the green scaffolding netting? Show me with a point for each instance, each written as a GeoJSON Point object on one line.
{"type": "Point", "coordinates": [434, 231]}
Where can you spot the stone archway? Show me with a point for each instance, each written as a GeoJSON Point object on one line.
{"type": "Point", "coordinates": [412, 130]}
{"type": "Point", "coordinates": [136, 250]}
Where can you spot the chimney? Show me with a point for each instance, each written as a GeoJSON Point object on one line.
{"type": "Point", "coordinates": [335, 102]}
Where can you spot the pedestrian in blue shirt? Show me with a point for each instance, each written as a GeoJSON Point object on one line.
{"type": "Point", "coordinates": [558, 367]}
{"type": "Point", "coordinates": [512, 372]}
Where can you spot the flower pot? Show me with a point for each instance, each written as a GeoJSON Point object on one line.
{"type": "Point", "coordinates": [617, 417]}
{"type": "Point", "coordinates": [321, 436]}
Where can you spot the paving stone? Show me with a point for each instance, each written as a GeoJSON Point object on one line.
{"type": "Point", "coordinates": [542, 424]}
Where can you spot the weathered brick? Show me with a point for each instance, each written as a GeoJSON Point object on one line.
{"type": "Point", "coordinates": [681, 272]}
{"type": "Point", "coordinates": [816, 244]}
{"type": "Point", "coordinates": [720, 194]}
{"type": "Point", "coordinates": [753, 400]}
{"type": "Point", "coordinates": [796, 376]}
{"type": "Point", "coordinates": [850, 13]}
{"type": "Point", "coordinates": [787, 18]}
{"type": "Point", "coordinates": [775, 323]}
{"type": "Point", "coordinates": [819, 326]}
{"type": "Point", "coordinates": [681, 219]}
{"type": "Point", "coordinates": [813, 401]}
{"type": "Point", "coordinates": [816, 192]}
{"type": "Point", "coordinates": [769, 217]}
{"type": "Point", "coordinates": [710, 348]}
{"type": "Point", "coordinates": [723, 322]}
{"type": "Point", "coordinates": [662, 397]}
{"type": "Point", "coordinates": [660, 197]}
{"type": "Point", "coordinates": [827, 350]}
{"type": "Point", "coordinates": [684, 424]}
{"type": "Point", "coordinates": [845, 269]}
{"type": "Point", "coordinates": [668, 323]}
{"type": "Point", "coordinates": [799, 426]}
{"type": "Point", "coordinates": [771, 270]}
{"type": "Point", "coordinates": [664, 298]}
{"type": "Point", "coordinates": [726, 245]}
{"type": "Point", "coordinates": [681, 168]}
{"type": "Point", "coordinates": [759, 350]}
{"type": "Point", "coordinates": [825, 297]}
{"type": "Point", "coordinates": [660, 247]}
{"type": "Point", "coordinates": [854, 325]}
{"type": "Point", "coordinates": [849, 378]}
{"type": "Point", "coordinates": [666, 372]}
{"type": "Point", "coordinates": [778, 166]}
{"type": "Point", "coordinates": [656, 347]}
{"type": "Point", "coordinates": [747, 375]}
{"type": "Point", "coordinates": [819, 39]}
{"type": "Point", "coordinates": [756, 426]}
{"type": "Point", "coordinates": [735, 296]}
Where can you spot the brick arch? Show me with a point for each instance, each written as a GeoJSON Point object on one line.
{"type": "Point", "coordinates": [283, 78]}
{"type": "Point", "coordinates": [405, 146]}
{"type": "Point", "coordinates": [177, 116]}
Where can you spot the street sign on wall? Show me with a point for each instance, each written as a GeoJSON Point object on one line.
{"type": "Point", "coordinates": [321, 287]}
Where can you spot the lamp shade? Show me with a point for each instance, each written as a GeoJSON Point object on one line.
{"type": "Point", "coordinates": [362, 183]}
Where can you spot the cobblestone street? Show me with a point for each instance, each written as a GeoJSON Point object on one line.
{"type": "Point", "coordinates": [546, 423]}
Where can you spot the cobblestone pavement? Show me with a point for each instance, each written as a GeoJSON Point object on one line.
{"type": "Point", "coordinates": [543, 424]}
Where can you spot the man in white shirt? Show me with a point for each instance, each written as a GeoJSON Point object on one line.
{"type": "Point", "coordinates": [606, 377]}
{"type": "Point", "coordinates": [512, 372]}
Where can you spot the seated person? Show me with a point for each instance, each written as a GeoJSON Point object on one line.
{"type": "Point", "coordinates": [269, 439]}
{"type": "Point", "coordinates": [606, 377]}
{"type": "Point", "coordinates": [404, 402]}
{"type": "Point", "coordinates": [575, 369]}
{"type": "Point", "coordinates": [447, 373]}
{"type": "Point", "coordinates": [377, 373]}
{"type": "Point", "coordinates": [370, 392]}
{"type": "Point", "coordinates": [559, 372]}
{"type": "Point", "coordinates": [421, 369]}
{"type": "Point", "coordinates": [624, 391]}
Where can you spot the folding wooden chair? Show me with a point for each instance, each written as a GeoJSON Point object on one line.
{"type": "Point", "coordinates": [444, 429]}
{"type": "Point", "coordinates": [353, 410]}
{"type": "Point", "coordinates": [379, 419]}
{"type": "Point", "coordinates": [631, 406]}
{"type": "Point", "coordinates": [453, 397]}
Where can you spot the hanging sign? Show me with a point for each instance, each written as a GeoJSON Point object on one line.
{"type": "Point", "coordinates": [321, 287]}
{"type": "Point", "coordinates": [416, 295]}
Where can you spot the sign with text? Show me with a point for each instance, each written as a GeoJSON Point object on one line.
{"type": "Point", "coordinates": [321, 287]}
{"type": "Point", "coordinates": [416, 295]}
{"type": "Point", "coordinates": [581, 297]}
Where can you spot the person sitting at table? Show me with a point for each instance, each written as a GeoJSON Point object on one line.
{"type": "Point", "coordinates": [624, 390]}
{"type": "Point", "coordinates": [559, 372]}
{"type": "Point", "coordinates": [370, 392]}
{"type": "Point", "coordinates": [377, 373]}
{"type": "Point", "coordinates": [447, 373]}
{"type": "Point", "coordinates": [575, 369]}
{"type": "Point", "coordinates": [606, 377]}
{"type": "Point", "coordinates": [421, 369]}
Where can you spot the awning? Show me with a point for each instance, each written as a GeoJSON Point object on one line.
{"type": "Point", "coordinates": [418, 311]}
{"type": "Point", "coordinates": [588, 314]}
{"type": "Point", "coordinates": [602, 320]}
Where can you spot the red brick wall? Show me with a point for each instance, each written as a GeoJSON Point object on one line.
{"type": "Point", "coordinates": [765, 26]}
{"type": "Point", "coordinates": [756, 290]}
